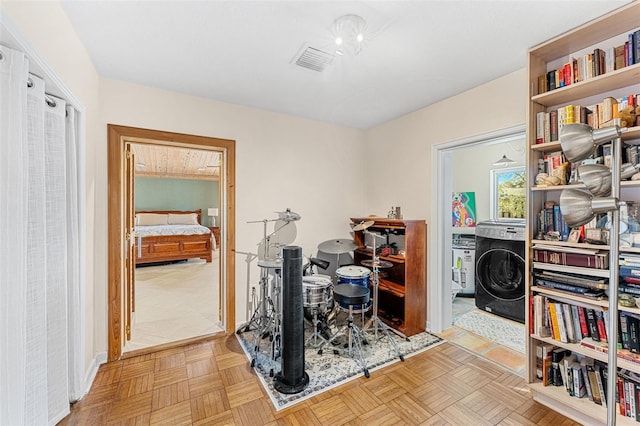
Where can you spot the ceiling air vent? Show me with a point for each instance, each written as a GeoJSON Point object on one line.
{"type": "Point", "coordinates": [314, 59]}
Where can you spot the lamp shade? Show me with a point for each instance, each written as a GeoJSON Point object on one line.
{"type": "Point", "coordinates": [579, 140]}
{"type": "Point", "coordinates": [597, 178]}
{"type": "Point", "coordinates": [212, 211]}
{"type": "Point", "coordinates": [503, 161]}
{"type": "Point", "coordinates": [579, 207]}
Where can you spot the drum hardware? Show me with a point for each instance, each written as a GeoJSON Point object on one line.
{"type": "Point", "coordinates": [318, 263]}
{"type": "Point", "coordinates": [266, 319]}
{"type": "Point", "coordinates": [350, 295]}
{"type": "Point", "coordinates": [375, 322]}
{"type": "Point", "coordinates": [316, 295]}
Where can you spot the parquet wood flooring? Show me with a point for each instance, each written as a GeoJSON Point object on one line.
{"type": "Point", "coordinates": [212, 383]}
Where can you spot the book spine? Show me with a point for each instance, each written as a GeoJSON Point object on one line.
{"type": "Point", "coordinates": [593, 326]}
{"type": "Point", "coordinates": [602, 329]}
{"type": "Point", "coordinates": [540, 127]}
{"type": "Point", "coordinates": [601, 383]}
{"type": "Point", "coordinates": [596, 261]}
{"type": "Point", "coordinates": [568, 322]}
{"type": "Point", "coordinates": [584, 327]}
{"type": "Point", "coordinates": [554, 321]}
{"type": "Point", "coordinates": [576, 323]}
{"type": "Point", "coordinates": [561, 323]}
{"type": "Point", "coordinates": [591, 373]}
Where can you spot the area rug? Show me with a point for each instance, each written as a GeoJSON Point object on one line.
{"type": "Point", "coordinates": [500, 330]}
{"type": "Point", "coordinates": [329, 370]}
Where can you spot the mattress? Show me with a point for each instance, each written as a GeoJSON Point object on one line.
{"type": "Point", "coordinates": [163, 230]}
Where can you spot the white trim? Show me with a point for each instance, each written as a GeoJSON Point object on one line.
{"type": "Point", "coordinates": [439, 313]}
{"type": "Point", "coordinates": [92, 371]}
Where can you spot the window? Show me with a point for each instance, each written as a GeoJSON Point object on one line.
{"type": "Point", "coordinates": [508, 193]}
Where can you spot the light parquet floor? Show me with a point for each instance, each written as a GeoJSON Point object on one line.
{"type": "Point", "coordinates": [211, 383]}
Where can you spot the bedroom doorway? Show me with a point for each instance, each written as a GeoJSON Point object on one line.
{"type": "Point", "coordinates": [122, 248]}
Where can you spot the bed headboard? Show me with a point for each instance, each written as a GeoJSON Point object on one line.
{"type": "Point", "coordinates": [198, 212]}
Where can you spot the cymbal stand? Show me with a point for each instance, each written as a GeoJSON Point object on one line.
{"type": "Point", "coordinates": [375, 320]}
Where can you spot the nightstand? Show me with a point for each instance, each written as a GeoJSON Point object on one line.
{"type": "Point", "coordinates": [215, 230]}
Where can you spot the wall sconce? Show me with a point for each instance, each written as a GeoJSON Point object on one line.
{"type": "Point", "coordinates": [213, 213]}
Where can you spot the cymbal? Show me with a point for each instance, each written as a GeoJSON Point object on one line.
{"type": "Point", "coordinates": [378, 263]}
{"type": "Point", "coordinates": [337, 246]}
{"type": "Point", "coordinates": [363, 225]}
{"type": "Point", "coordinates": [288, 216]}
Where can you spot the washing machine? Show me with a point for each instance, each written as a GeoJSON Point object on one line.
{"type": "Point", "coordinates": [463, 265]}
{"type": "Point", "coordinates": [500, 268]}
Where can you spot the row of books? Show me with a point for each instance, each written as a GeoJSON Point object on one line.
{"type": "Point", "coordinates": [573, 322]}
{"type": "Point", "coordinates": [584, 377]}
{"type": "Point", "coordinates": [568, 322]}
{"type": "Point", "coordinates": [550, 220]}
{"type": "Point", "coordinates": [602, 114]}
{"type": "Point", "coordinates": [571, 256]}
{"type": "Point", "coordinates": [592, 64]}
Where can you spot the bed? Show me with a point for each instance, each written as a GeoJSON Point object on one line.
{"type": "Point", "coordinates": [168, 235]}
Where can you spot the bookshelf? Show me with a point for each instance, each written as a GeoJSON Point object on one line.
{"type": "Point", "coordinates": [402, 290]}
{"type": "Point", "coordinates": [603, 33]}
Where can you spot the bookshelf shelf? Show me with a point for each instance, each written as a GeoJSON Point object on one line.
{"type": "Point", "coordinates": [621, 82]}
{"type": "Point", "coordinates": [603, 83]}
{"type": "Point", "coordinates": [604, 273]}
{"type": "Point", "coordinates": [567, 244]}
{"type": "Point", "coordinates": [580, 409]}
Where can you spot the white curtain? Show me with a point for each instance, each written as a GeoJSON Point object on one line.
{"type": "Point", "coordinates": [39, 249]}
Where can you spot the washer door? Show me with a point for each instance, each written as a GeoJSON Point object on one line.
{"type": "Point", "coordinates": [500, 272]}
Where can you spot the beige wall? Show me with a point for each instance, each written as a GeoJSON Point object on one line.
{"type": "Point", "coordinates": [282, 162]}
{"type": "Point", "coordinates": [399, 151]}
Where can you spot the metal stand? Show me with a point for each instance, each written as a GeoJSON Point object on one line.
{"type": "Point", "coordinates": [375, 322]}
{"type": "Point", "coordinates": [355, 340]}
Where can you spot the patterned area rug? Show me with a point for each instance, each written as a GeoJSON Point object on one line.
{"type": "Point", "coordinates": [500, 330]}
{"type": "Point", "coordinates": [329, 370]}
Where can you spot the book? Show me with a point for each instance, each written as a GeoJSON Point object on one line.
{"type": "Point", "coordinates": [619, 57]}
{"type": "Point", "coordinates": [568, 322]}
{"type": "Point", "coordinates": [591, 374]}
{"type": "Point", "coordinates": [553, 317]}
{"type": "Point", "coordinates": [576, 323]}
{"type": "Point", "coordinates": [593, 325]}
{"type": "Point", "coordinates": [597, 261]}
{"type": "Point", "coordinates": [601, 381]}
{"type": "Point", "coordinates": [557, 354]}
{"type": "Point", "coordinates": [540, 117]}
{"type": "Point", "coordinates": [562, 329]}
{"type": "Point", "coordinates": [600, 323]}
{"type": "Point", "coordinates": [543, 363]}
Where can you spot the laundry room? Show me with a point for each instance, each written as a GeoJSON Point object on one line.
{"type": "Point", "coordinates": [487, 248]}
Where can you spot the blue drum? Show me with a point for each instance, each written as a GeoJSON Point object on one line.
{"type": "Point", "coordinates": [358, 275]}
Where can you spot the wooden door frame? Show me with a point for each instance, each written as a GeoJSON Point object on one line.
{"type": "Point", "coordinates": [118, 137]}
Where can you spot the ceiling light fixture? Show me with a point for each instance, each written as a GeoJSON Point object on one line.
{"type": "Point", "coordinates": [349, 34]}
{"type": "Point", "coordinates": [504, 161]}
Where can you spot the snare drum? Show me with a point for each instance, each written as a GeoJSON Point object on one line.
{"type": "Point", "coordinates": [316, 291]}
{"type": "Point", "coordinates": [358, 275]}
{"type": "Point", "coordinates": [352, 274]}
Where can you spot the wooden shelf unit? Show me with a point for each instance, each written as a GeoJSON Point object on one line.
{"type": "Point", "coordinates": [402, 288]}
{"type": "Point", "coordinates": [589, 36]}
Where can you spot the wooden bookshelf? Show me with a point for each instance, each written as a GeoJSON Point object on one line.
{"type": "Point", "coordinates": [402, 289]}
{"type": "Point", "coordinates": [541, 59]}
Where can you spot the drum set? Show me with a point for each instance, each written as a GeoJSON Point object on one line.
{"type": "Point", "coordinates": [323, 299]}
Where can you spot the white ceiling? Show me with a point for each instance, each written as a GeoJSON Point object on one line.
{"type": "Point", "coordinates": [416, 53]}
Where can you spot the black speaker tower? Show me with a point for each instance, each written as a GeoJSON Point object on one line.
{"type": "Point", "coordinates": [292, 378]}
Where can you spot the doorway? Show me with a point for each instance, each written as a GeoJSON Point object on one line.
{"type": "Point", "coordinates": [120, 293]}
{"type": "Point", "coordinates": [444, 183]}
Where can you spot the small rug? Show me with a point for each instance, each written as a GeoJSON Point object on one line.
{"type": "Point", "coordinates": [329, 370]}
{"type": "Point", "coordinates": [500, 330]}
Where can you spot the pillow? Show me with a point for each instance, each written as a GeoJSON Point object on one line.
{"type": "Point", "coordinates": [183, 219]}
{"type": "Point", "coordinates": [148, 219]}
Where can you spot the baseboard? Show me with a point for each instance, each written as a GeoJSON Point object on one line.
{"type": "Point", "coordinates": [100, 358]}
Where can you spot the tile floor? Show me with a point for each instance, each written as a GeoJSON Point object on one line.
{"type": "Point", "coordinates": [508, 358]}
{"type": "Point", "coordinates": [174, 302]}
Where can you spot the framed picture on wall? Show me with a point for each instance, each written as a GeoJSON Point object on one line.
{"type": "Point", "coordinates": [508, 193]}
